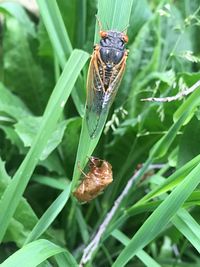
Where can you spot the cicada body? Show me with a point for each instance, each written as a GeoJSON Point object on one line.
{"type": "Point", "coordinates": [105, 73]}
{"type": "Point", "coordinates": [95, 181]}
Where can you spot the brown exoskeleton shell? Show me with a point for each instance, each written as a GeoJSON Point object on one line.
{"type": "Point", "coordinates": [95, 181]}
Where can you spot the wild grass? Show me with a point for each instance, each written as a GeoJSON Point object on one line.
{"type": "Point", "coordinates": [44, 137]}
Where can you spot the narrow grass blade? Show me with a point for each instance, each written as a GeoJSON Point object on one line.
{"type": "Point", "coordinates": [56, 29]}
{"type": "Point", "coordinates": [59, 184]}
{"type": "Point", "coordinates": [116, 14]}
{"type": "Point", "coordinates": [60, 41]}
{"type": "Point", "coordinates": [82, 225]}
{"type": "Point", "coordinates": [161, 147]}
{"type": "Point", "coordinates": [65, 259]}
{"type": "Point", "coordinates": [186, 224]}
{"type": "Point", "coordinates": [33, 254]}
{"type": "Point", "coordinates": [49, 216]}
{"type": "Point", "coordinates": [159, 218]}
{"type": "Point", "coordinates": [14, 191]}
{"type": "Point", "coordinates": [142, 255]}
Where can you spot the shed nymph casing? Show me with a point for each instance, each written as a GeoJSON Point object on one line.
{"type": "Point", "coordinates": [105, 73]}
{"type": "Point", "coordinates": [95, 181]}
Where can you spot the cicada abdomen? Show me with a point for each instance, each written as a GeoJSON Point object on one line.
{"type": "Point", "coordinates": [95, 181]}
{"type": "Point", "coordinates": [105, 73]}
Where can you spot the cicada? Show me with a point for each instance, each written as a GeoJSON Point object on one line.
{"type": "Point", "coordinates": [95, 181]}
{"type": "Point", "coordinates": [105, 73]}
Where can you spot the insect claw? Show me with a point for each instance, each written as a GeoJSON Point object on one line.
{"type": "Point", "coordinates": [79, 167]}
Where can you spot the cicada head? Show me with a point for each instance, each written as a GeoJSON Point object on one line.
{"type": "Point", "coordinates": [112, 46]}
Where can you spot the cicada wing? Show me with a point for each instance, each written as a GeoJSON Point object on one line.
{"type": "Point", "coordinates": [114, 84]}
{"type": "Point", "coordinates": [111, 91]}
{"type": "Point", "coordinates": [99, 100]}
{"type": "Point", "coordinates": [95, 97]}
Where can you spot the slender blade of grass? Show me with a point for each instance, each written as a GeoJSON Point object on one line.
{"type": "Point", "coordinates": [56, 29]}
{"type": "Point", "coordinates": [58, 35]}
{"type": "Point", "coordinates": [114, 15]}
{"type": "Point", "coordinates": [49, 216]}
{"type": "Point", "coordinates": [186, 224]}
{"type": "Point", "coordinates": [142, 255]}
{"type": "Point", "coordinates": [33, 254]}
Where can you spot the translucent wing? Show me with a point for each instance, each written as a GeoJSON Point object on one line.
{"type": "Point", "coordinates": [100, 99]}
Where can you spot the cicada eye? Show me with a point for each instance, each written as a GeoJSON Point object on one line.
{"type": "Point", "coordinates": [103, 34]}
{"type": "Point", "coordinates": [125, 38]}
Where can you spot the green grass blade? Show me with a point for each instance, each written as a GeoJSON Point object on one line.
{"type": "Point", "coordinates": [186, 224]}
{"type": "Point", "coordinates": [160, 217]}
{"type": "Point", "coordinates": [65, 259]}
{"type": "Point", "coordinates": [142, 255]}
{"type": "Point", "coordinates": [56, 29]}
{"type": "Point", "coordinates": [114, 15]}
{"type": "Point", "coordinates": [59, 184]}
{"type": "Point", "coordinates": [49, 216]}
{"type": "Point", "coordinates": [109, 13]}
{"type": "Point", "coordinates": [161, 147]}
{"type": "Point", "coordinates": [82, 225]}
{"type": "Point", "coordinates": [60, 41]}
{"type": "Point", "coordinates": [14, 191]}
{"type": "Point", "coordinates": [33, 254]}
{"type": "Point", "coordinates": [81, 25]}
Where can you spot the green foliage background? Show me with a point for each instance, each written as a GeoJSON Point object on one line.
{"type": "Point", "coordinates": [43, 135]}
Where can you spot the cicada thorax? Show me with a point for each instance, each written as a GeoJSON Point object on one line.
{"type": "Point", "coordinates": [95, 181]}
{"type": "Point", "coordinates": [104, 76]}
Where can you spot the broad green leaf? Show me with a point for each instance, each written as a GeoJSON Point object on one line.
{"type": "Point", "coordinates": [27, 128]}
{"type": "Point", "coordinates": [24, 72]}
{"type": "Point", "coordinates": [11, 104]}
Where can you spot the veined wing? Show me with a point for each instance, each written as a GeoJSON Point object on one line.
{"type": "Point", "coordinates": [100, 99]}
